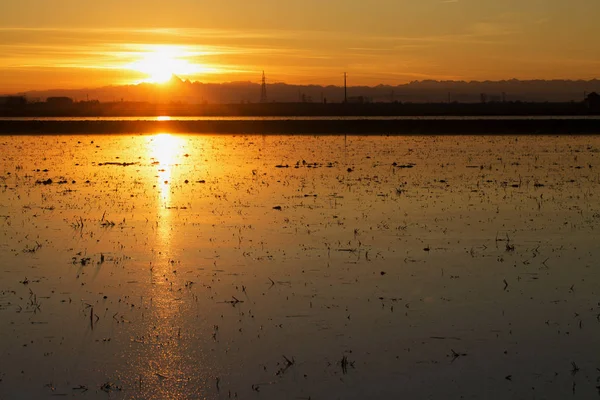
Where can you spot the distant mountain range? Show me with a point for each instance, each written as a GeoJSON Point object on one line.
{"type": "Point", "coordinates": [183, 91]}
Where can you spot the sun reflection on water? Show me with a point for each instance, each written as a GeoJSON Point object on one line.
{"type": "Point", "coordinates": [164, 151]}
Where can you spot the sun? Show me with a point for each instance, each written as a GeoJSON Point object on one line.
{"type": "Point", "coordinates": [160, 64]}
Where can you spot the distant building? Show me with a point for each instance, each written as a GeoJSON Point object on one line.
{"type": "Point", "coordinates": [13, 101]}
{"type": "Point", "coordinates": [305, 99]}
{"type": "Point", "coordinates": [59, 101]}
{"type": "Point", "coordinates": [358, 100]}
{"type": "Point", "coordinates": [593, 102]}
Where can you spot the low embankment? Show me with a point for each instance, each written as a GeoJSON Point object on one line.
{"type": "Point", "coordinates": [356, 126]}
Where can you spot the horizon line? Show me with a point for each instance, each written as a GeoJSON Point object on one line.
{"type": "Point", "coordinates": [258, 83]}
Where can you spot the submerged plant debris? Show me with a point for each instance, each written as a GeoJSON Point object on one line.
{"type": "Point", "coordinates": [319, 267]}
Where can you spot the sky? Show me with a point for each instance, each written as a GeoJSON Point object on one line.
{"type": "Point", "coordinates": [50, 44]}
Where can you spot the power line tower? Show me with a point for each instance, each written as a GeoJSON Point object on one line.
{"type": "Point", "coordinates": [345, 88]}
{"type": "Point", "coordinates": [263, 89]}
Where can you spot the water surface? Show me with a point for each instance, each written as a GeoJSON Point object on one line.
{"type": "Point", "coordinates": [317, 118]}
{"type": "Point", "coordinates": [325, 267]}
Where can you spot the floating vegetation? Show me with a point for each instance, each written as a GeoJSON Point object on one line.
{"type": "Point", "coordinates": [299, 266]}
{"type": "Point", "coordinates": [120, 164]}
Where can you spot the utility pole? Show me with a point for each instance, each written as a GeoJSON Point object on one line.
{"type": "Point", "coordinates": [263, 89]}
{"type": "Point", "coordinates": [345, 88]}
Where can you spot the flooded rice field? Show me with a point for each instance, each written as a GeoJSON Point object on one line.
{"type": "Point", "coordinates": [287, 267]}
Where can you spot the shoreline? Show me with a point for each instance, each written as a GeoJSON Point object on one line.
{"type": "Point", "coordinates": [356, 126]}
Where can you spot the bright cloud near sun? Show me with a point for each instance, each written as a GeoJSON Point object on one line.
{"type": "Point", "coordinates": [159, 64]}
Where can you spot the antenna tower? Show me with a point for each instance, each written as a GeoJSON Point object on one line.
{"type": "Point", "coordinates": [345, 88]}
{"type": "Point", "coordinates": [263, 89]}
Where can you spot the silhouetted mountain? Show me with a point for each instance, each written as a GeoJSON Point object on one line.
{"type": "Point", "coordinates": [184, 91]}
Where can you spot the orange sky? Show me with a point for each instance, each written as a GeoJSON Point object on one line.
{"type": "Point", "coordinates": [74, 44]}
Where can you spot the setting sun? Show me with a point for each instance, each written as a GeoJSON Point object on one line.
{"type": "Point", "coordinates": [161, 64]}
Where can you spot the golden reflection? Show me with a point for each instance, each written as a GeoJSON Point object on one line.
{"type": "Point", "coordinates": [167, 154]}
{"type": "Point", "coordinates": [164, 150]}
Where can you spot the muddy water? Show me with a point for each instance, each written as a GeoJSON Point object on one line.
{"type": "Point", "coordinates": [216, 267]}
